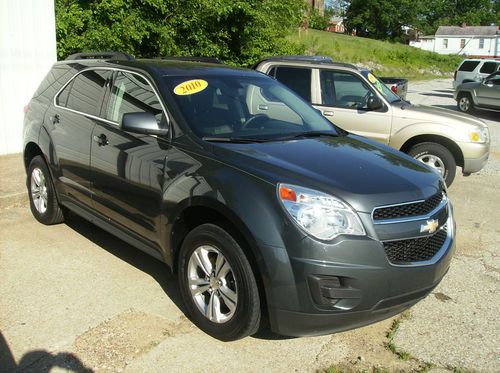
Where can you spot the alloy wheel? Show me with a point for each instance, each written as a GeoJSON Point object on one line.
{"type": "Point", "coordinates": [212, 284]}
{"type": "Point", "coordinates": [39, 190]}
{"type": "Point", "coordinates": [434, 162]}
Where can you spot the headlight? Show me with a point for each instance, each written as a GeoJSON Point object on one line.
{"type": "Point", "coordinates": [319, 214]}
{"type": "Point", "coordinates": [479, 135]}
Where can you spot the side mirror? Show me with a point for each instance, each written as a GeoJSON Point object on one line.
{"type": "Point", "coordinates": [142, 123]}
{"type": "Point", "coordinates": [374, 103]}
{"type": "Point", "coordinates": [488, 83]}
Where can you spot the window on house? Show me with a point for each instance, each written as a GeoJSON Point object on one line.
{"type": "Point", "coordinates": [481, 43]}
{"type": "Point", "coordinates": [445, 43]}
{"type": "Point", "coordinates": [462, 43]}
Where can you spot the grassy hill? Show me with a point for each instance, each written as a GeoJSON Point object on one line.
{"type": "Point", "coordinates": [384, 58]}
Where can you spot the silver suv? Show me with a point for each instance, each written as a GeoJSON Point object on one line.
{"type": "Point", "coordinates": [474, 70]}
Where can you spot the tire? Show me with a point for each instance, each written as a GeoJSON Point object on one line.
{"type": "Point", "coordinates": [43, 200]}
{"type": "Point", "coordinates": [438, 157]}
{"type": "Point", "coordinates": [233, 292]}
{"type": "Point", "coordinates": [465, 103]}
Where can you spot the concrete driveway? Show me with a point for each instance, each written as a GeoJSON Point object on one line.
{"type": "Point", "coordinates": [74, 298]}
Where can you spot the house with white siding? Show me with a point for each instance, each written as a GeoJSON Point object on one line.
{"type": "Point", "coordinates": [470, 41]}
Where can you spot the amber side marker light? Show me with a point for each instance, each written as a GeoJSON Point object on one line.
{"type": "Point", "coordinates": [287, 194]}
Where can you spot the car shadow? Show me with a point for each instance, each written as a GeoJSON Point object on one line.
{"type": "Point", "coordinates": [450, 95]}
{"type": "Point", "coordinates": [158, 270]}
{"type": "Point", "coordinates": [147, 264]}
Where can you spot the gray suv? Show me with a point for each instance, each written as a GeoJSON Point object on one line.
{"type": "Point", "coordinates": [275, 215]}
{"type": "Point", "coordinates": [484, 95]}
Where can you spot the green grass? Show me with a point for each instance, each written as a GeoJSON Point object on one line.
{"type": "Point", "coordinates": [384, 58]}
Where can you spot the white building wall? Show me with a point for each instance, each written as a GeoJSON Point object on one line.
{"type": "Point", "coordinates": [27, 51]}
{"type": "Point", "coordinates": [490, 48]}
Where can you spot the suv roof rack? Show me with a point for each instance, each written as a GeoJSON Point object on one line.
{"type": "Point", "coordinates": [193, 59]}
{"type": "Point", "coordinates": [108, 55]}
{"type": "Point", "coordinates": [308, 59]}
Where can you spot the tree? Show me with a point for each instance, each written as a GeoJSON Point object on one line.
{"type": "Point", "coordinates": [437, 13]}
{"type": "Point", "coordinates": [235, 31]}
{"type": "Point", "coordinates": [380, 19]}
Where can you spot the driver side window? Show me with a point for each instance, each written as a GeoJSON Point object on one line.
{"type": "Point", "coordinates": [343, 90]}
{"type": "Point", "coordinates": [495, 79]}
{"type": "Point", "coordinates": [131, 94]}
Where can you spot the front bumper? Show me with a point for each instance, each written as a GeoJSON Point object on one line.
{"type": "Point", "coordinates": [348, 284]}
{"type": "Point", "coordinates": [475, 156]}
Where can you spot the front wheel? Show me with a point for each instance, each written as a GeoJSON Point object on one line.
{"type": "Point", "coordinates": [217, 284]}
{"type": "Point", "coordinates": [437, 157]}
{"type": "Point", "coordinates": [464, 103]}
{"type": "Point", "coordinates": [43, 200]}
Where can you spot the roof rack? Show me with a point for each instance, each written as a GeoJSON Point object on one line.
{"type": "Point", "coordinates": [193, 59]}
{"type": "Point", "coordinates": [315, 59]}
{"type": "Point", "coordinates": [108, 55]}
{"type": "Point", "coordinates": [310, 59]}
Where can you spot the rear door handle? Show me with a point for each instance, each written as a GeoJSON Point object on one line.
{"type": "Point", "coordinates": [55, 119]}
{"type": "Point", "coordinates": [328, 113]}
{"type": "Point", "coordinates": [101, 140]}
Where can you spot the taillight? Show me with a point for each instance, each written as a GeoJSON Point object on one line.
{"type": "Point", "coordinates": [26, 107]}
{"type": "Point", "coordinates": [394, 88]}
{"type": "Point", "coordinates": [455, 75]}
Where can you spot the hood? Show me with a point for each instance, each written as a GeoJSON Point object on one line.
{"type": "Point", "coordinates": [431, 114]}
{"type": "Point", "coordinates": [353, 168]}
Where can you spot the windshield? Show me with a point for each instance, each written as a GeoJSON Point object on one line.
{"type": "Point", "coordinates": [229, 107]}
{"type": "Point", "coordinates": [381, 87]}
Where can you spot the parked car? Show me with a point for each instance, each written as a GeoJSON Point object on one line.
{"type": "Point", "coordinates": [398, 85]}
{"type": "Point", "coordinates": [484, 95]}
{"type": "Point", "coordinates": [355, 100]}
{"type": "Point", "coordinates": [474, 70]}
{"type": "Point", "coordinates": [258, 203]}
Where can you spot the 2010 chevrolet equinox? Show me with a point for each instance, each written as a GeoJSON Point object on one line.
{"type": "Point", "coordinates": [262, 206]}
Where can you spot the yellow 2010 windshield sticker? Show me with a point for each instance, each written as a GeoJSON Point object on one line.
{"type": "Point", "coordinates": [190, 87]}
{"type": "Point", "coordinates": [371, 78]}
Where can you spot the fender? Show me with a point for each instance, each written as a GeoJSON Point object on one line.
{"type": "Point", "coordinates": [400, 137]}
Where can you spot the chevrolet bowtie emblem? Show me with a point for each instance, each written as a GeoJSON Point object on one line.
{"type": "Point", "coordinates": [430, 227]}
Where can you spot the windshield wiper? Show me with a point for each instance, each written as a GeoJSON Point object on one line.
{"type": "Point", "coordinates": [308, 134]}
{"type": "Point", "coordinates": [237, 140]}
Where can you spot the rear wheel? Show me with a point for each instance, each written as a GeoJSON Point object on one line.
{"type": "Point", "coordinates": [43, 201]}
{"type": "Point", "coordinates": [217, 284]}
{"type": "Point", "coordinates": [438, 157]}
{"type": "Point", "coordinates": [464, 103]}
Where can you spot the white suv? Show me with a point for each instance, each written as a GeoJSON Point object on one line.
{"type": "Point", "coordinates": [474, 70]}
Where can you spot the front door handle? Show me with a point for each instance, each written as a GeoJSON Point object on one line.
{"type": "Point", "coordinates": [328, 113]}
{"type": "Point", "coordinates": [101, 140]}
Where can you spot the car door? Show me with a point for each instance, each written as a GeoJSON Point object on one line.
{"type": "Point", "coordinates": [128, 169]}
{"type": "Point", "coordinates": [71, 121]}
{"type": "Point", "coordinates": [343, 100]}
{"type": "Point", "coordinates": [488, 92]}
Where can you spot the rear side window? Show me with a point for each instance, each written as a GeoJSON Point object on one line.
{"type": "Point", "coordinates": [488, 67]}
{"type": "Point", "coordinates": [468, 66]}
{"type": "Point", "coordinates": [84, 93]}
{"type": "Point", "coordinates": [53, 81]}
{"type": "Point", "coordinates": [297, 79]}
{"type": "Point", "coordinates": [131, 94]}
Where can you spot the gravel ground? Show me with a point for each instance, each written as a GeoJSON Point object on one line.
{"type": "Point", "coordinates": [74, 298]}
